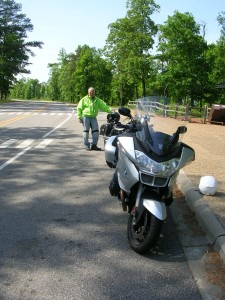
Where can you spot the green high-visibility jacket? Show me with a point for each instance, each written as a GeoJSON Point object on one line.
{"type": "Point", "coordinates": [88, 107]}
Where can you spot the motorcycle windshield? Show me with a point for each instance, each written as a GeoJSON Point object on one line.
{"type": "Point", "coordinates": [162, 127]}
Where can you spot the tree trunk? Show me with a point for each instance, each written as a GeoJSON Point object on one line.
{"type": "Point", "coordinates": [143, 88]}
{"type": "Point", "coordinates": [121, 95]}
{"type": "Point", "coordinates": [136, 91]}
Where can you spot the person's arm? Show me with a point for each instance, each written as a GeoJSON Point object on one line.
{"type": "Point", "coordinates": [79, 110]}
{"type": "Point", "coordinates": [103, 106]}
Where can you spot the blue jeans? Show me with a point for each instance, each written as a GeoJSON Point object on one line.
{"type": "Point", "coordinates": [90, 123]}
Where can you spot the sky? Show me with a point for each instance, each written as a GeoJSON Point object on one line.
{"type": "Point", "coordinates": [69, 23]}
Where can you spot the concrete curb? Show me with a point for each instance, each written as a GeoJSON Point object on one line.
{"type": "Point", "coordinates": [215, 232]}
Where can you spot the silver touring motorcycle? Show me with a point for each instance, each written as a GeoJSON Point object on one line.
{"type": "Point", "coordinates": [147, 157]}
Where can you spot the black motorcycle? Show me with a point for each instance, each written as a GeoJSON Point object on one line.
{"type": "Point", "coordinates": [113, 126]}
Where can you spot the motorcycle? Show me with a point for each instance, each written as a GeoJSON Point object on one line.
{"type": "Point", "coordinates": [147, 157]}
{"type": "Point", "coordinates": [112, 127]}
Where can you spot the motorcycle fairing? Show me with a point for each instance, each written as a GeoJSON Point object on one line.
{"type": "Point", "coordinates": [127, 173]}
{"type": "Point", "coordinates": [110, 151]}
{"type": "Point", "coordinates": [146, 147]}
{"type": "Point", "coordinates": [187, 156]}
{"type": "Point", "coordinates": [127, 143]}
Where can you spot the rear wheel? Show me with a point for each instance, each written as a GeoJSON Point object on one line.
{"type": "Point", "coordinates": [143, 237]}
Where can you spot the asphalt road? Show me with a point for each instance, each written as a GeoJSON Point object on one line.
{"type": "Point", "coordinates": [62, 236]}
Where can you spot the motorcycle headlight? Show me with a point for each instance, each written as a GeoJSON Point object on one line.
{"type": "Point", "coordinates": [166, 168]}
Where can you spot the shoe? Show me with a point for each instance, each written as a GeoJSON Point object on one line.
{"type": "Point", "coordinates": [94, 147]}
{"type": "Point", "coordinates": [88, 148]}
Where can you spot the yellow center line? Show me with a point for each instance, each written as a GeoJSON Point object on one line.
{"type": "Point", "coordinates": [15, 119]}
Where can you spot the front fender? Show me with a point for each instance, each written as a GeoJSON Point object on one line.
{"type": "Point", "coordinates": [158, 209]}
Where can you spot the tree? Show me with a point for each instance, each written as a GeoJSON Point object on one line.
{"type": "Point", "coordinates": [216, 56]}
{"type": "Point", "coordinates": [18, 89]}
{"type": "Point", "coordinates": [28, 89]}
{"type": "Point", "coordinates": [33, 89]}
{"type": "Point", "coordinates": [91, 70]}
{"type": "Point", "coordinates": [14, 50]}
{"type": "Point", "coordinates": [53, 90]}
{"type": "Point", "coordinates": [66, 78]}
{"type": "Point", "coordinates": [221, 22]}
{"type": "Point", "coordinates": [129, 44]}
{"type": "Point", "coordinates": [184, 68]}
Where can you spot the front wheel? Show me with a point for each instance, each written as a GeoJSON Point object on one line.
{"type": "Point", "coordinates": [143, 237]}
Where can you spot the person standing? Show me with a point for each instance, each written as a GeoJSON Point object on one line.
{"type": "Point", "coordinates": [87, 111]}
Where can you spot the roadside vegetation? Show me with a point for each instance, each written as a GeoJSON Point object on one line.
{"type": "Point", "coordinates": [140, 58]}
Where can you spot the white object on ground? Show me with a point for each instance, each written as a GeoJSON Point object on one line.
{"type": "Point", "coordinates": [208, 185]}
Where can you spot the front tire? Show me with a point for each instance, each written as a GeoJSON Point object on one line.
{"type": "Point", "coordinates": [143, 237]}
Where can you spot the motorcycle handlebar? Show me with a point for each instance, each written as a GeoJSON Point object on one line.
{"type": "Point", "coordinates": [131, 127]}
{"type": "Point", "coordinates": [121, 126]}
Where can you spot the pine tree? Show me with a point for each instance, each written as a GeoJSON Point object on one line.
{"type": "Point", "coordinates": [14, 49]}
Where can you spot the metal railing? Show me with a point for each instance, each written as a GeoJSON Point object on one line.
{"type": "Point", "coordinates": [189, 113]}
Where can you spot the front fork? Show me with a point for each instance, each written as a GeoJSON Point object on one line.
{"type": "Point", "coordinates": [140, 199]}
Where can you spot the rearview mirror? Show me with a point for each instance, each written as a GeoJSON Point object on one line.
{"type": "Point", "coordinates": [182, 129]}
{"type": "Point", "coordinates": [124, 111]}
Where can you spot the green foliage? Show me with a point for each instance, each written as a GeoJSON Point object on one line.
{"type": "Point", "coordinates": [74, 73]}
{"type": "Point", "coordinates": [182, 56]}
{"type": "Point", "coordinates": [28, 89]}
{"type": "Point", "coordinates": [14, 50]}
{"type": "Point", "coordinates": [54, 82]}
{"type": "Point", "coordinates": [129, 44]}
{"type": "Point", "coordinates": [182, 66]}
